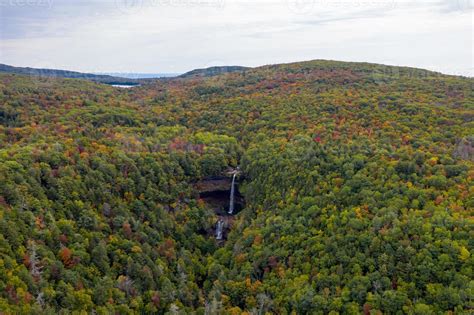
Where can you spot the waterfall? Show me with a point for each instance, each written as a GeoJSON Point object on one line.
{"type": "Point", "coordinates": [219, 229]}
{"type": "Point", "coordinates": [232, 193]}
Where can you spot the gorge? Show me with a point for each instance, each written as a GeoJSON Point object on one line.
{"type": "Point", "coordinates": [221, 194]}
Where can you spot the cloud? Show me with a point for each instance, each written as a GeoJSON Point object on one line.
{"type": "Point", "coordinates": [449, 6]}
{"type": "Point", "coordinates": [179, 35]}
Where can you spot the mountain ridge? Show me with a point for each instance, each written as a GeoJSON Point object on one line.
{"type": "Point", "coordinates": [59, 73]}
{"type": "Point", "coordinates": [213, 71]}
{"type": "Point", "coordinates": [129, 79]}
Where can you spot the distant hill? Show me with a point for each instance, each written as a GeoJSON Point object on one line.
{"type": "Point", "coordinates": [212, 71]}
{"type": "Point", "coordinates": [118, 78]}
{"type": "Point", "coordinates": [100, 78]}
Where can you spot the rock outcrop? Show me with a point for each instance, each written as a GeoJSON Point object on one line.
{"type": "Point", "coordinates": [465, 149]}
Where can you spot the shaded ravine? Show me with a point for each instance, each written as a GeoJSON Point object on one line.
{"type": "Point", "coordinates": [221, 194]}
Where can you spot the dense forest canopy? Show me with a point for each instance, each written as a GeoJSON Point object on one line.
{"type": "Point", "coordinates": [358, 182]}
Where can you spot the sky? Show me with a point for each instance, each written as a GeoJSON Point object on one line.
{"type": "Point", "coordinates": [175, 36]}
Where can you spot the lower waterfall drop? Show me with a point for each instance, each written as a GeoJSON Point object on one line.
{"type": "Point", "coordinates": [219, 229]}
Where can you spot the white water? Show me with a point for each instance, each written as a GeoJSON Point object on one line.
{"type": "Point", "coordinates": [232, 193]}
{"type": "Point", "coordinates": [219, 229]}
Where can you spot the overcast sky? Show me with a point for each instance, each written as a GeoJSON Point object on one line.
{"type": "Point", "coordinates": [156, 36]}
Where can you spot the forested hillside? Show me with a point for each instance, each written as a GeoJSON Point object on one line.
{"type": "Point", "coordinates": [358, 181]}
{"type": "Point", "coordinates": [53, 73]}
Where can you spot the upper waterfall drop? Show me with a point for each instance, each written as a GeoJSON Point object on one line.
{"type": "Point", "coordinates": [232, 193]}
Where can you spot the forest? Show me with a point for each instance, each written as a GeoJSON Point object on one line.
{"type": "Point", "coordinates": [356, 183]}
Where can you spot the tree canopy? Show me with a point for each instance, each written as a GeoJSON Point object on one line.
{"type": "Point", "coordinates": [358, 182]}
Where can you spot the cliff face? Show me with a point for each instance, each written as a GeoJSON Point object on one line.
{"type": "Point", "coordinates": [465, 149]}
{"type": "Point", "coordinates": [213, 184]}
{"type": "Point", "coordinates": [215, 192]}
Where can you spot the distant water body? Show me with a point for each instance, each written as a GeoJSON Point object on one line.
{"type": "Point", "coordinates": [125, 86]}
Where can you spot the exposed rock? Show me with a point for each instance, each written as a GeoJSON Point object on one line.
{"type": "Point", "coordinates": [213, 184]}
{"type": "Point", "coordinates": [215, 191]}
{"type": "Point", "coordinates": [465, 149]}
